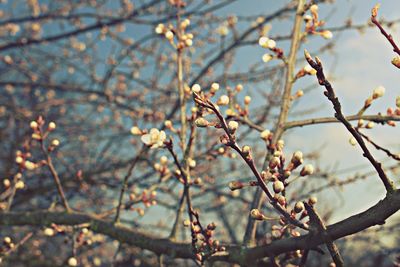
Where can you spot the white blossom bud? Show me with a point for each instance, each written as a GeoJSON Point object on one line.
{"type": "Point", "coordinates": [223, 100]}
{"type": "Point", "coordinates": [267, 57]}
{"type": "Point", "coordinates": [307, 170]}
{"type": "Point", "coordinates": [196, 88]}
{"type": "Point", "coordinates": [353, 141]}
{"type": "Point", "coordinates": [233, 125]}
{"type": "Point", "coordinates": [327, 34]}
{"type": "Point", "coordinates": [265, 134]}
{"type": "Point", "coordinates": [378, 92]}
{"type": "Point", "coordinates": [278, 186]}
{"type": "Point", "coordinates": [214, 87]}
{"type": "Point", "coordinates": [34, 125]}
{"type": "Point", "coordinates": [201, 122]}
{"type": "Point", "coordinates": [299, 207]}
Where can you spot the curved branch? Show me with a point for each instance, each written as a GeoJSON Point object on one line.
{"type": "Point", "coordinates": [376, 215]}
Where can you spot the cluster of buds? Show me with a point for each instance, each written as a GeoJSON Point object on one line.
{"type": "Point", "coordinates": [270, 44]}
{"type": "Point", "coordinates": [184, 39]}
{"type": "Point", "coordinates": [39, 134]}
{"type": "Point", "coordinates": [162, 166]}
{"type": "Point", "coordinates": [202, 238]}
{"type": "Point", "coordinates": [313, 23]}
{"type": "Point", "coordinates": [22, 159]}
{"type": "Point", "coordinates": [147, 198]}
{"type": "Point", "coordinates": [83, 238]}
{"type": "Point", "coordinates": [7, 244]}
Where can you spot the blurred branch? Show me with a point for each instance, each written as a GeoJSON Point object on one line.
{"type": "Point", "coordinates": [376, 215]}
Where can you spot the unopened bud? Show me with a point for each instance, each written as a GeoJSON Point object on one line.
{"type": "Point", "coordinates": [169, 35]}
{"type": "Point", "coordinates": [327, 34]}
{"type": "Point", "coordinates": [312, 200]}
{"type": "Point", "coordinates": [278, 186]}
{"type": "Point", "coordinates": [297, 158]}
{"type": "Point", "coordinates": [214, 87]}
{"type": "Point", "coordinates": [246, 150]}
{"type": "Point", "coordinates": [34, 125]}
{"type": "Point", "coordinates": [233, 125]}
{"type": "Point", "coordinates": [136, 131]}
{"type": "Point", "coordinates": [378, 92]}
{"type": "Point", "coordinates": [223, 100]}
{"type": "Point", "coordinates": [396, 61]}
{"type": "Point", "coordinates": [370, 125]}
{"type": "Point", "coordinates": [353, 141]}
{"type": "Point", "coordinates": [265, 134]}
{"type": "Point", "coordinates": [247, 100]}
{"type": "Point", "coordinates": [201, 122]}
{"type": "Point", "coordinates": [307, 170]}
{"type": "Point", "coordinates": [256, 214]}
{"type": "Point", "coordinates": [298, 207]}
{"type": "Point", "coordinates": [235, 185]}
{"type": "Point", "coordinates": [274, 162]}
{"type": "Point", "coordinates": [196, 88]}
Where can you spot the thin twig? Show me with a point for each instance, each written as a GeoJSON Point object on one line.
{"type": "Point", "coordinates": [330, 94]}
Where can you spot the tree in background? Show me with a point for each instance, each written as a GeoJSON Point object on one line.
{"type": "Point", "coordinates": [144, 133]}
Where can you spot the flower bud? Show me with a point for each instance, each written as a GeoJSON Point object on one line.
{"type": "Point", "coordinates": [265, 134]}
{"type": "Point", "coordinates": [52, 126]}
{"type": "Point", "coordinates": [396, 61]}
{"type": "Point", "coordinates": [298, 207]}
{"type": "Point", "coordinates": [201, 122]}
{"type": "Point", "coordinates": [307, 170]}
{"type": "Point", "coordinates": [312, 200]}
{"type": "Point", "coordinates": [235, 185]}
{"type": "Point", "coordinates": [398, 101]}
{"type": "Point", "coordinates": [297, 158]}
{"type": "Point", "coordinates": [186, 223]}
{"type": "Point", "coordinates": [278, 186]}
{"type": "Point", "coordinates": [378, 92]}
{"type": "Point", "coordinates": [169, 35]}
{"type": "Point", "coordinates": [267, 57]}
{"type": "Point", "coordinates": [214, 87]}
{"type": "Point", "coordinates": [327, 34]}
{"type": "Point", "coordinates": [246, 150]}
{"type": "Point", "coordinates": [370, 125]}
{"type": "Point", "coordinates": [274, 162]}
{"type": "Point", "coordinates": [188, 42]}
{"type": "Point", "coordinates": [34, 125]}
{"type": "Point", "coordinates": [353, 141]}
{"type": "Point", "coordinates": [55, 142]}
{"type": "Point", "coordinates": [191, 163]}
{"type": "Point", "coordinates": [136, 131]}
{"type": "Point", "coordinates": [263, 41]}
{"type": "Point", "coordinates": [309, 70]}
{"type": "Point", "coordinates": [196, 88]}
{"type": "Point", "coordinates": [247, 100]}
{"type": "Point", "coordinates": [233, 125]}
{"type": "Point", "coordinates": [256, 214]}
{"type": "Point", "coordinates": [211, 226]}
{"type": "Point", "coordinates": [72, 261]}
{"type": "Point", "coordinates": [160, 28]}
{"type": "Point", "coordinates": [223, 100]}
